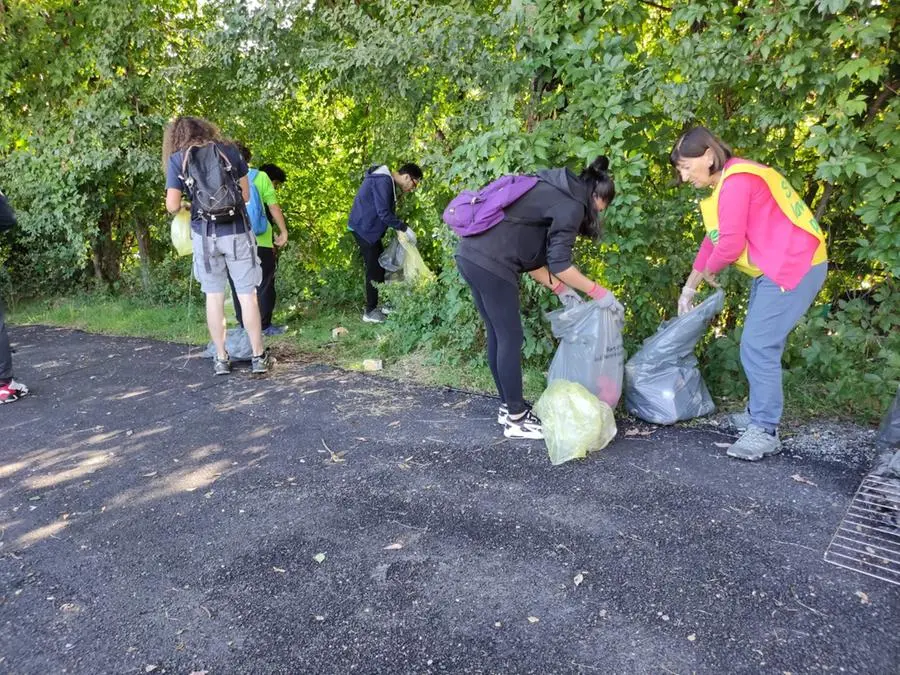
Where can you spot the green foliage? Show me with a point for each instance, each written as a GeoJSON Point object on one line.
{"type": "Point", "coordinates": [470, 89]}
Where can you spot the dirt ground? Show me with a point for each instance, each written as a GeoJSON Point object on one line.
{"type": "Point", "coordinates": [157, 519]}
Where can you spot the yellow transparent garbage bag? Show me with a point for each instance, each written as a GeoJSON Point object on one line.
{"type": "Point", "coordinates": [181, 232]}
{"type": "Point", "coordinates": [574, 420]}
{"type": "Point", "coordinates": [414, 268]}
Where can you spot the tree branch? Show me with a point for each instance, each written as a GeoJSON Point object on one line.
{"type": "Point", "coordinates": [653, 4]}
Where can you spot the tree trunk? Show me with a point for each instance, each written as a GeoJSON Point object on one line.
{"type": "Point", "coordinates": [107, 265]}
{"type": "Point", "coordinates": [142, 234]}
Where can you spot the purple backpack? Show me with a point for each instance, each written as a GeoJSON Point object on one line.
{"type": "Point", "coordinates": [472, 213]}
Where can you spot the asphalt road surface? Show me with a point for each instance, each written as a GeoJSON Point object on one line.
{"type": "Point", "coordinates": [157, 519]}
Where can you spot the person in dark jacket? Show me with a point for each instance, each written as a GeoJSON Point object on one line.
{"type": "Point", "coordinates": [536, 237]}
{"type": "Point", "coordinates": [10, 390]}
{"type": "Point", "coordinates": [372, 214]}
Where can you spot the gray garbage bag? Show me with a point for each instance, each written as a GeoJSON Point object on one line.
{"type": "Point", "coordinates": [662, 382]}
{"type": "Point", "coordinates": [889, 431]}
{"type": "Point", "coordinates": [393, 257]}
{"type": "Point", "coordinates": [237, 344]}
{"type": "Point", "coordinates": [590, 350]}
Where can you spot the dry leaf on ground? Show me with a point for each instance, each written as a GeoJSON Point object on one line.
{"type": "Point", "coordinates": [800, 479]}
{"type": "Point", "coordinates": [396, 546]}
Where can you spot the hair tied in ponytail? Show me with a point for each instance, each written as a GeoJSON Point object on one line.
{"type": "Point", "coordinates": [599, 165]}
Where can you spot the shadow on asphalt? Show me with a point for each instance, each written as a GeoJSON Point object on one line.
{"type": "Point", "coordinates": [157, 519]}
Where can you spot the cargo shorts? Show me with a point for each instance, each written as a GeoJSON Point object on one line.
{"type": "Point", "coordinates": [231, 254]}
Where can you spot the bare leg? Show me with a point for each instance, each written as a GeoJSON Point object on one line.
{"type": "Point", "coordinates": [215, 321]}
{"type": "Point", "coordinates": [252, 321]}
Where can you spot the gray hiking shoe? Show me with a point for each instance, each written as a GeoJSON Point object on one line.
{"type": "Point", "coordinates": [739, 421]}
{"type": "Point", "coordinates": [375, 316]}
{"type": "Point", "coordinates": [260, 364]}
{"type": "Point", "coordinates": [221, 366]}
{"type": "Point", "coordinates": [754, 444]}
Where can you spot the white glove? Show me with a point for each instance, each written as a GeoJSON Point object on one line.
{"type": "Point", "coordinates": [569, 298]}
{"type": "Point", "coordinates": [686, 301]}
{"type": "Point", "coordinates": [608, 301]}
{"type": "Point", "coordinates": [410, 235]}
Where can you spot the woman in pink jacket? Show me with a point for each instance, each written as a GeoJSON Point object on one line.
{"type": "Point", "coordinates": [755, 221]}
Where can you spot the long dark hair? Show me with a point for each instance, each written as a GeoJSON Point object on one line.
{"type": "Point", "coordinates": [601, 186]}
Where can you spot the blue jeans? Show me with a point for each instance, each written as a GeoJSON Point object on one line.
{"type": "Point", "coordinates": [771, 316]}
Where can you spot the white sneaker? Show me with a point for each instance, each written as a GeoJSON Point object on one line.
{"type": "Point", "coordinates": [12, 391]}
{"type": "Point", "coordinates": [502, 414]}
{"type": "Point", "coordinates": [527, 426]}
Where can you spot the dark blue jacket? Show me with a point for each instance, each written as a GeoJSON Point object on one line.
{"type": "Point", "coordinates": [373, 209]}
{"type": "Point", "coordinates": [7, 217]}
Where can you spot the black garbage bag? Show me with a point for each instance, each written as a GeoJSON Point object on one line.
{"type": "Point", "coordinates": [663, 384]}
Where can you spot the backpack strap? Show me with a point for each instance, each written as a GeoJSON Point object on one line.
{"type": "Point", "coordinates": [188, 181]}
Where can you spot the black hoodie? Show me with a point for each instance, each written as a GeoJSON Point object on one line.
{"type": "Point", "coordinates": [7, 217]}
{"type": "Point", "coordinates": [538, 229]}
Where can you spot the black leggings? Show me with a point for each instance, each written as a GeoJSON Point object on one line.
{"type": "Point", "coordinates": [265, 292]}
{"type": "Point", "coordinates": [5, 351]}
{"type": "Point", "coordinates": [497, 301]}
{"type": "Point", "coordinates": [374, 271]}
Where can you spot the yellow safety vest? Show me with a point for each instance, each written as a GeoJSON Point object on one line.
{"type": "Point", "coordinates": [788, 201]}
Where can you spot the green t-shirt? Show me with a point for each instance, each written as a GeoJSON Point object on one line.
{"type": "Point", "coordinates": [267, 194]}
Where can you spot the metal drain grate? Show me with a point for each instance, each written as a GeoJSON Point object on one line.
{"type": "Point", "coordinates": [868, 538]}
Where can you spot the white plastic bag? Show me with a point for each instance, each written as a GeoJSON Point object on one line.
{"type": "Point", "coordinates": [574, 420]}
{"type": "Point", "coordinates": [590, 350]}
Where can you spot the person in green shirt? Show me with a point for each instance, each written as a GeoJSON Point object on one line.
{"type": "Point", "coordinates": [266, 244]}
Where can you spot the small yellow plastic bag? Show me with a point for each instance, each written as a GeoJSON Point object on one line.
{"type": "Point", "coordinates": [574, 420]}
{"type": "Point", "coordinates": [181, 232]}
{"type": "Point", "coordinates": [414, 268]}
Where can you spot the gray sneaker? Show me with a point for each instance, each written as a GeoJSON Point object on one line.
{"type": "Point", "coordinates": [754, 444]}
{"type": "Point", "coordinates": [260, 364]}
{"type": "Point", "coordinates": [375, 316]}
{"type": "Point", "coordinates": [221, 366]}
{"type": "Point", "coordinates": [739, 421]}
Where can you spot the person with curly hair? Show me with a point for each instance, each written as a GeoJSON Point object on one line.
{"type": "Point", "coordinates": [211, 172]}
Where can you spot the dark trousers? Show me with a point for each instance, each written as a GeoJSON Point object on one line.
{"type": "Point", "coordinates": [374, 271]}
{"type": "Point", "coordinates": [265, 292]}
{"type": "Point", "coordinates": [5, 350]}
{"type": "Point", "coordinates": [497, 301]}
